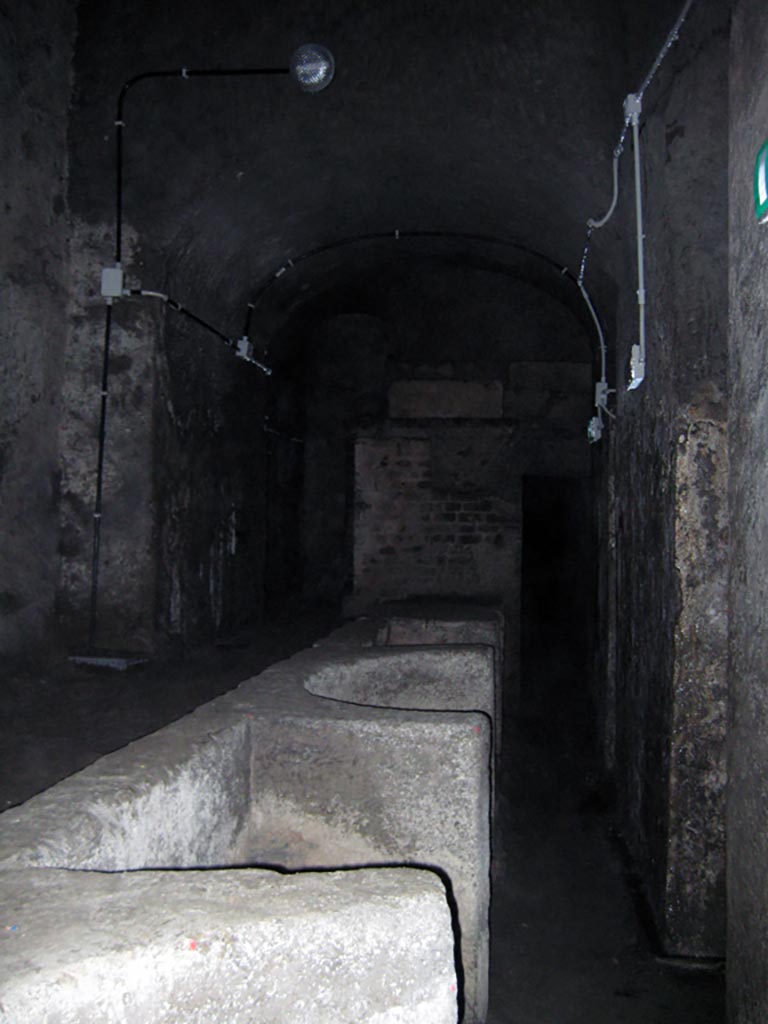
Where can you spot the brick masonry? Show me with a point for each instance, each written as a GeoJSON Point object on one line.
{"type": "Point", "coordinates": [421, 533]}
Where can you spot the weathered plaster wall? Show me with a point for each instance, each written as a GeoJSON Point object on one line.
{"type": "Point", "coordinates": [667, 507]}
{"type": "Point", "coordinates": [748, 439]}
{"type": "Point", "coordinates": [37, 40]}
{"type": "Point", "coordinates": [695, 882]}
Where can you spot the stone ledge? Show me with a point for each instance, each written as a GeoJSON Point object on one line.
{"type": "Point", "coordinates": [237, 946]}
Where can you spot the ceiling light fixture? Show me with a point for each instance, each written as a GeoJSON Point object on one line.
{"type": "Point", "coordinates": [312, 67]}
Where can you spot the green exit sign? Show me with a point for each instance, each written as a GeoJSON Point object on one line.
{"type": "Point", "coordinates": [761, 184]}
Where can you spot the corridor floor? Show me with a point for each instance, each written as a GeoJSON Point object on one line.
{"type": "Point", "coordinates": [567, 946]}
{"type": "Point", "coordinates": [568, 939]}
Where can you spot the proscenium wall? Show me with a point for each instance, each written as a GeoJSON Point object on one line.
{"type": "Point", "coordinates": [748, 441]}
{"type": "Point", "coordinates": [37, 40]}
{"type": "Point", "coordinates": [665, 509]}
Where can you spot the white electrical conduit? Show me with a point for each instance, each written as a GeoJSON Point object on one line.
{"type": "Point", "coordinates": [595, 426]}
{"type": "Point", "coordinates": [632, 108]}
{"type": "Point", "coordinates": [637, 360]}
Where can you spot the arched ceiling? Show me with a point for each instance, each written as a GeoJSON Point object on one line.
{"type": "Point", "coordinates": [470, 118]}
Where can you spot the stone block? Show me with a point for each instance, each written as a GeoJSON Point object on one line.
{"type": "Point", "coordinates": [391, 787]}
{"type": "Point", "coordinates": [273, 775]}
{"type": "Point", "coordinates": [526, 403]}
{"type": "Point", "coordinates": [444, 678]}
{"type": "Point", "coordinates": [427, 623]}
{"type": "Point", "coordinates": [226, 947]}
{"type": "Point", "coordinates": [571, 407]}
{"type": "Point", "coordinates": [176, 799]}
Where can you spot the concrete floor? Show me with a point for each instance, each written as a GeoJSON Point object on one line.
{"type": "Point", "coordinates": [567, 943]}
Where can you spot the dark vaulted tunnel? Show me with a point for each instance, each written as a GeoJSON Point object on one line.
{"type": "Point", "coordinates": [479, 322]}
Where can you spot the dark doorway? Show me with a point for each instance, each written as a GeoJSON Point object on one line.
{"type": "Point", "coordinates": [559, 579]}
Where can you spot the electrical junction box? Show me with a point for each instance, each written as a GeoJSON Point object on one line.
{"type": "Point", "coordinates": [112, 282]}
{"type": "Point", "coordinates": [761, 184]}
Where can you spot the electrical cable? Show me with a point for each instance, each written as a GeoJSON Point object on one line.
{"type": "Point", "coordinates": [184, 73]}
{"type": "Point", "coordinates": [593, 224]}
{"type": "Point", "coordinates": [242, 347]}
{"type": "Point", "coordinates": [632, 108]}
{"type": "Point", "coordinates": [119, 161]}
{"type": "Point", "coordinates": [670, 41]}
{"type": "Point", "coordinates": [399, 234]}
{"type": "Point", "coordinates": [638, 351]}
{"type": "Point", "coordinates": [96, 543]}
{"type": "Point", "coordinates": [375, 236]}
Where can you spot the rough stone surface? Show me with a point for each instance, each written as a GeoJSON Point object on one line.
{"type": "Point", "coordinates": [210, 458]}
{"type": "Point", "coordinates": [695, 897]}
{"type": "Point", "coordinates": [176, 799]}
{"type": "Point", "coordinates": [667, 506]}
{"type": "Point", "coordinates": [227, 947]}
{"type": "Point", "coordinates": [557, 391]}
{"type": "Point", "coordinates": [127, 553]}
{"type": "Point", "coordinates": [436, 623]}
{"type": "Point", "coordinates": [448, 679]}
{"type": "Point", "coordinates": [748, 436]}
{"type": "Point", "coordinates": [275, 776]}
{"type": "Point", "coordinates": [412, 791]}
{"type": "Point", "coordinates": [37, 41]}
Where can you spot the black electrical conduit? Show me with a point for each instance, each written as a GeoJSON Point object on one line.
{"type": "Point", "coordinates": [377, 236]}
{"type": "Point", "coordinates": [183, 73]}
{"type": "Point", "coordinates": [178, 308]}
{"type": "Point", "coordinates": [120, 122]}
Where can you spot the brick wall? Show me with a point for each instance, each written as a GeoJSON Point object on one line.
{"type": "Point", "coordinates": [417, 533]}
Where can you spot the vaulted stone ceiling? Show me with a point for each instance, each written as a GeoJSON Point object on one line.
{"type": "Point", "coordinates": [478, 117]}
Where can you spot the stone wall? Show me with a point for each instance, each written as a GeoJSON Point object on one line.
{"type": "Point", "coordinates": [209, 455]}
{"type": "Point", "coordinates": [344, 381]}
{"type": "Point", "coordinates": [664, 524]}
{"type": "Point", "coordinates": [37, 40]}
{"type": "Point", "coordinates": [125, 604]}
{"type": "Point", "coordinates": [748, 438]}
